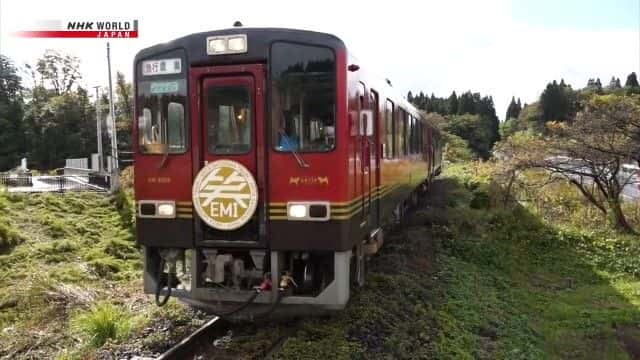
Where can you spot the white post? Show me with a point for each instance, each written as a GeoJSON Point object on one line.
{"type": "Point", "coordinates": [99, 131]}
{"type": "Point", "coordinates": [114, 138]}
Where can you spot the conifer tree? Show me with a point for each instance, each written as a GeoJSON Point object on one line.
{"type": "Point", "coordinates": [511, 109]}
{"type": "Point", "coordinates": [452, 103]}
{"type": "Point", "coordinates": [632, 80]}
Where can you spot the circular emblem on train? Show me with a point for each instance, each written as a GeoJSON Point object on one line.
{"type": "Point", "coordinates": [225, 195]}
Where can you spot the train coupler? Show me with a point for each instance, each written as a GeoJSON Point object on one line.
{"type": "Point", "coordinates": [168, 280]}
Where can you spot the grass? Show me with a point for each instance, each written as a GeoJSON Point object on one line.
{"type": "Point", "coordinates": [545, 287]}
{"type": "Point", "coordinates": [63, 243]}
{"type": "Point", "coordinates": [493, 282]}
{"type": "Point", "coordinates": [70, 271]}
{"type": "Point", "coordinates": [468, 276]}
{"type": "Point", "coordinates": [103, 322]}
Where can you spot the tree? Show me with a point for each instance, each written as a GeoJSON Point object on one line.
{"type": "Point", "coordinates": [456, 149]}
{"type": "Point", "coordinates": [558, 102]}
{"type": "Point", "coordinates": [436, 105]}
{"type": "Point", "coordinates": [624, 116]}
{"type": "Point", "coordinates": [595, 85]}
{"type": "Point", "coordinates": [512, 109]}
{"type": "Point", "coordinates": [59, 72]}
{"type": "Point", "coordinates": [466, 104]}
{"type": "Point", "coordinates": [632, 81]}
{"type": "Point", "coordinates": [588, 153]}
{"type": "Point", "coordinates": [12, 132]}
{"type": "Point", "coordinates": [59, 118]}
{"type": "Point", "coordinates": [124, 111]}
{"type": "Point", "coordinates": [421, 102]}
{"type": "Point", "coordinates": [528, 120]}
{"type": "Point", "coordinates": [452, 103]}
{"type": "Point", "coordinates": [473, 129]}
{"type": "Point", "coordinates": [471, 104]}
{"type": "Point", "coordinates": [614, 84]}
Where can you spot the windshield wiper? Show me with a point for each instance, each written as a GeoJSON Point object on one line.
{"type": "Point", "coordinates": [299, 158]}
{"type": "Point", "coordinates": [165, 156]}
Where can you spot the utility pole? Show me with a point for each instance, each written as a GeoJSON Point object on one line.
{"type": "Point", "coordinates": [99, 130]}
{"type": "Point", "coordinates": [115, 175]}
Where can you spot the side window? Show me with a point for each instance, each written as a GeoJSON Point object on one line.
{"type": "Point", "coordinates": [411, 134]}
{"type": "Point", "coordinates": [303, 97]}
{"type": "Point", "coordinates": [375, 126]}
{"type": "Point", "coordinates": [419, 136]}
{"type": "Point", "coordinates": [402, 132]}
{"type": "Point", "coordinates": [398, 134]}
{"type": "Point", "coordinates": [416, 138]}
{"type": "Point", "coordinates": [388, 126]}
{"type": "Point", "coordinates": [361, 107]}
{"type": "Point", "coordinates": [406, 133]}
{"type": "Point", "coordinates": [162, 120]}
{"type": "Point", "coordinates": [361, 94]}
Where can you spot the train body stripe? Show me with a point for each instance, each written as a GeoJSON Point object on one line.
{"type": "Point", "coordinates": [339, 213]}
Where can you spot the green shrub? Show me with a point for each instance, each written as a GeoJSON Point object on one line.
{"type": "Point", "coordinates": [104, 321]}
{"type": "Point", "coordinates": [105, 267]}
{"type": "Point", "coordinates": [8, 236]}
{"type": "Point", "coordinates": [481, 200]}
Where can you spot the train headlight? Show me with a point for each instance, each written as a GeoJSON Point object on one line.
{"type": "Point", "coordinates": [164, 209]}
{"type": "Point", "coordinates": [237, 44]}
{"type": "Point", "coordinates": [167, 210]}
{"type": "Point", "coordinates": [309, 210]}
{"type": "Point", "coordinates": [217, 46]}
{"type": "Point", "coordinates": [298, 211]}
{"type": "Point", "coordinates": [229, 44]}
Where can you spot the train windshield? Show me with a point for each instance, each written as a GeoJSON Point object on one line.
{"type": "Point", "coordinates": [161, 116]}
{"type": "Point", "coordinates": [303, 97]}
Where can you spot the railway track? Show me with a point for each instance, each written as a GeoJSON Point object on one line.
{"type": "Point", "coordinates": [189, 347]}
{"type": "Point", "coordinates": [214, 340]}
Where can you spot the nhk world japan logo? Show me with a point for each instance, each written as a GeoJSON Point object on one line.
{"type": "Point", "coordinates": [80, 28]}
{"type": "Point", "coordinates": [225, 195]}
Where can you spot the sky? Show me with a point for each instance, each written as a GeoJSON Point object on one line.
{"type": "Point", "coordinates": [502, 48]}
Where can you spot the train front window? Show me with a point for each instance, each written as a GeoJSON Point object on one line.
{"type": "Point", "coordinates": [229, 120]}
{"type": "Point", "coordinates": [161, 117]}
{"type": "Point", "coordinates": [303, 97]}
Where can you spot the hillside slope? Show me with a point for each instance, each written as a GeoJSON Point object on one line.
{"type": "Point", "coordinates": [70, 275]}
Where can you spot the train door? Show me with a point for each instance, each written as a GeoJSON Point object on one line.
{"type": "Point", "coordinates": [230, 127]}
{"type": "Point", "coordinates": [364, 130]}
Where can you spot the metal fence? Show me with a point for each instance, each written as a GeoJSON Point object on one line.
{"type": "Point", "coordinates": [53, 183]}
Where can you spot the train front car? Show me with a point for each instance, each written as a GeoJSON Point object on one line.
{"type": "Point", "coordinates": [242, 176]}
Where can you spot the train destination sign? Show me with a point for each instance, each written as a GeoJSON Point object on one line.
{"type": "Point", "coordinates": [161, 67]}
{"type": "Point", "coordinates": [164, 87]}
{"type": "Point", "coordinates": [225, 194]}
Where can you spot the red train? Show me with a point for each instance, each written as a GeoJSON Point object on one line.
{"type": "Point", "coordinates": [266, 162]}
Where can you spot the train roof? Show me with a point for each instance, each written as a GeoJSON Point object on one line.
{"type": "Point", "coordinates": [259, 40]}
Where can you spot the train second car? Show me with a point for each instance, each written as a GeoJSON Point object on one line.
{"type": "Point", "coordinates": [265, 163]}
